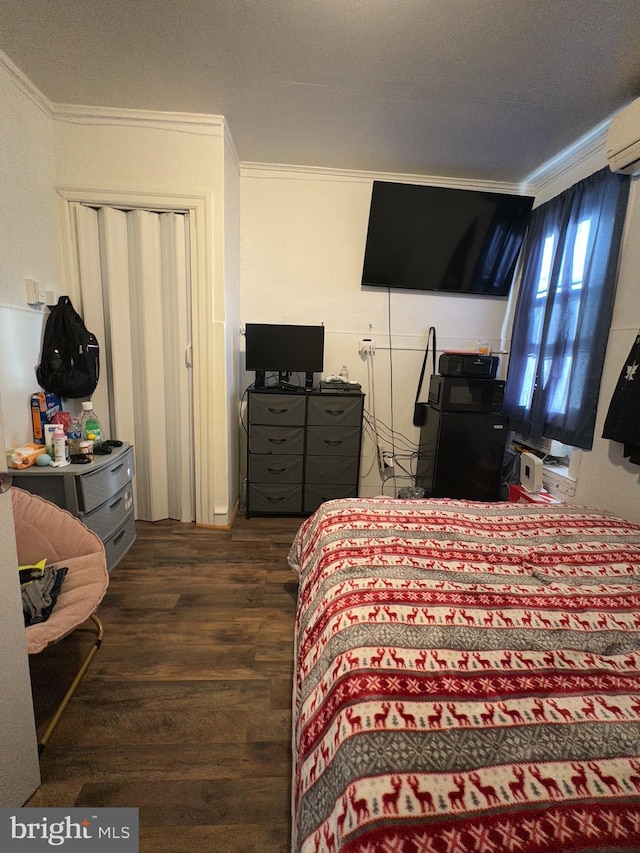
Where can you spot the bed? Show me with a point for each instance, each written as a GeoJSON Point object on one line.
{"type": "Point", "coordinates": [467, 678]}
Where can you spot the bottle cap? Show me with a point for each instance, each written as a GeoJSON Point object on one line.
{"type": "Point", "coordinates": [87, 405]}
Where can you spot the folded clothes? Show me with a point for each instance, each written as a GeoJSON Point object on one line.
{"type": "Point", "coordinates": [40, 594]}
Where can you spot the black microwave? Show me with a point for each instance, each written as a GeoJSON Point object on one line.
{"type": "Point", "coordinates": [459, 394]}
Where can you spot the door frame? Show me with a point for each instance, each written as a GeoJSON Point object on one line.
{"type": "Point", "coordinates": [201, 217]}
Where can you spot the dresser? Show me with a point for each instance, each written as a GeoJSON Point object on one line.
{"type": "Point", "coordinates": [302, 449]}
{"type": "Point", "coordinates": [99, 493]}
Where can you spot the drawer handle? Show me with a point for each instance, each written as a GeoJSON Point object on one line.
{"type": "Point", "coordinates": [335, 443]}
{"type": "Point", "coordinates": [115, 503]}
{"type": "Point", "coordinates": [276, 440]}
{"type": "Point", "coordinates": [278, 411]}
{"type": "Point", "coordinates": [276, 470]}
{"type": "Point", "coordinates": [117, 468]}
{"type": "Point", "coordinates": [334, 411]}
{"type": "Point", "coordinates": [119, 537]}
{"type": "Point", "coordinates": [275, 500]}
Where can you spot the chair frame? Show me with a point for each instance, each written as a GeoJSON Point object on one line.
{"type": "Point", "coordinates": [44, 529]}
{"type": "Point", "coordinates": [60, 709]}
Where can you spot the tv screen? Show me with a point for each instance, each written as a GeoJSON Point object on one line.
{"type": "Point", "coordinates": [284, 348]}
{"type": "Point", "coordinates": [443, 239]}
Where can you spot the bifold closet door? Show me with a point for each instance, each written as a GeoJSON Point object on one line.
{"type": "Point", "coordinates": [135, 286]}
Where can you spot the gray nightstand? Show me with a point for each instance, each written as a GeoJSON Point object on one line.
{"type": "Point", "coordinates": [100, 494]}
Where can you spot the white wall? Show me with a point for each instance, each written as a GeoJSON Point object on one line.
{"type": "Point", "coordinates": [152, 156]}
{"type": "Point", "coordinates": [302, 246]}
{"type": "Point", "coordinates": [302, 235]}
{"type": "Point", "coordinates": [29, 242]}
{"type": "Point", "coordinates": [606, 478]}
{"type": "Point", "coordinates": [97, 152]}
{"type": "Point", "coordinates": [302, 243]}
{"type": "Point", "coordinates": [28, 248]}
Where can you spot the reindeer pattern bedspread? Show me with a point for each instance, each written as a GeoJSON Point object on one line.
{"type": "Point", "coordinates": [467, 679]}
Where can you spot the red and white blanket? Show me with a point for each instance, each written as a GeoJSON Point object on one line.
{"type": "Point", "coordinates": [467, 679]}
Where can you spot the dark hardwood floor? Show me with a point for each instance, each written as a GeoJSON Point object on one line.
{"type": "Point", "coordinates": [185, 710]}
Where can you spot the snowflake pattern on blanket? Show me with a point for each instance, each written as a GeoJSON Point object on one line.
{"type": "Point", "coordinates": [467, 679]}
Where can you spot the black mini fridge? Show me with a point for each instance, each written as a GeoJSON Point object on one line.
{"type": "Point", "coordinates": [461, 454]}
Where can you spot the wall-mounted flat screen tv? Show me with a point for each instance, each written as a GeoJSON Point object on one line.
{"type": "Point", "coordinates": [443, 239]}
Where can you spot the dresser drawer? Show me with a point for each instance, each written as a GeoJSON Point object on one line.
{"type": "Point", "coordinates": [264, 468]}
{"type": "Point", "coordinates": [332, 469]}
{"type": "Point", "coordinates": [117, 545]}
{"type": "Point", "coordinates": [286, 409]}
{"type": "Point", "coordinates": [280, 498]}
{"type": "Point", "coordinates": [273, 439]}
{"type": "Point", "coordinates": [106, 518]}
{"type": "Point", "coordinates": [335, 410]}
{"type": "Point", "coordinates": [106, 480]}
{"type": "Point", "coordinates": [333, 441]}
{"type": "Point", "coordinates": [314, 495]}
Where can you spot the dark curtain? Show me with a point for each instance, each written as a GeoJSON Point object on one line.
{"type": "Point", "coordinates": [560, 331]}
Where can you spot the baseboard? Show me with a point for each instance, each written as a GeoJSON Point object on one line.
{"type": "Point", "coordinates": [227, 526]}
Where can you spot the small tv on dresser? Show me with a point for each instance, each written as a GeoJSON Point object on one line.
{"type": "Point", "coordinates": [283, 349]}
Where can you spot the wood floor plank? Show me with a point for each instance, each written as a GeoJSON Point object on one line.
{"type": "Point", "coordinates": [195, 801]}
{"type": "Point", "coordinates": [185, 712]}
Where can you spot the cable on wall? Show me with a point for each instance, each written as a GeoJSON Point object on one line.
{"type": "Point", "coordinates": [395, 453]}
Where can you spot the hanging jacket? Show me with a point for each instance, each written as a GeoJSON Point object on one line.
{"type": "Point", "coordinates": [623, 418]}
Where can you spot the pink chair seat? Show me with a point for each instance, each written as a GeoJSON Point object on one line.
{"type": "Point", "coordinates": [45, 530]}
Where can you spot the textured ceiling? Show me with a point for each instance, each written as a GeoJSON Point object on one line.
{"type": "Point", "coordinates": [486, 89]}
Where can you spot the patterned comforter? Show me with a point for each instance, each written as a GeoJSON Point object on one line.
{"type": "Point", "coordinates": [467, 679]}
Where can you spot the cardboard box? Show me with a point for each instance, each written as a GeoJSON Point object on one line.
{"type": "Point", "coordinates": [519, 495]}
{"type": "Point", "coordinates": [43, 407]}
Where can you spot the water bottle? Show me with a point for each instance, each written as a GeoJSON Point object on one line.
{"type": "Point", "coordinates": [74, 437]}
{"type": "Point", "coordinates": [344, 373]}
{"type": "Point", "coordinates": [91, 429]}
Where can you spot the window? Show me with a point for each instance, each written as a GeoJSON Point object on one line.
{"type": "Point", "coordinates": [564, 310]}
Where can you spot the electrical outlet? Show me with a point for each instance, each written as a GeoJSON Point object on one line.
{"type": "Point", "coordinates": [366, 347]}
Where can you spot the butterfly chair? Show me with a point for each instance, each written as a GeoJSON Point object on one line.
{"type": "Point", "coordinates": [45, 530]}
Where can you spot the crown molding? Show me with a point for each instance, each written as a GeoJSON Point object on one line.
{"type": "Point", "coordinates": [209, 125]}
{"type": "Point", "coordinates": [589, 149]}
{"type": "Point", "coordinates": [587, 154]}
{"type": "Point", "coordinates": [22, 82]}
{"type": "Point", "coordinates": [314, 173]}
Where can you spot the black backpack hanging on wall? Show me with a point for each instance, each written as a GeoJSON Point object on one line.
{"type": "Point", "coordinates": [70, 361]}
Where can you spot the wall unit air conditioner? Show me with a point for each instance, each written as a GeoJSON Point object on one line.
{"type": "Point", "coordinates": [547, 446]}
{"type": "Point", "coordinates": [623, 140]}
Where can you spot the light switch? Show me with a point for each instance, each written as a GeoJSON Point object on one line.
{"type": "Point", "coordinates": [31, 291]}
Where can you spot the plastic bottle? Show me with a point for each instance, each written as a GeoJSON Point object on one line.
{"type": "Point", "coordinates": [59, 444]}
{"type": "Point", "coordinates": [91, 429]}
{"type": "Point", "coordinates": [74, 437]}
{"type": "Point", "coordinates": [344, 373]}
